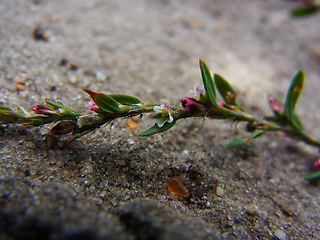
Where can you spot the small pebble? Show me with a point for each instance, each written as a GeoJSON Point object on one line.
{"type": "Point", "coordinates": [63, 62]}
{"type": "Point", "coordinates": [287, 208]}
{"type": "Point", "coordinates": [54, 18]}
{"type": "Point", "coordinates": [101, 76]}
{"type": "Point", "coordinates": [103, 193]}
{"type": "Point", "coordinates": [252, 209]}
{"type": "Point", "coordinates": [21, 78]}
{"type": "Point", "coordinates": [280, 234]}
{"type": "Point", "coordinates": [136, 118]}
{"type": "Point", "coordinates": [52, 88]}
{"type": "Point", "coordinates": [220, 191]}
{"type": "Point", "coordinates": [130, 141]}
{"type": "Point", "coordinates": [20, 82]}
{"type": "Point", "coordinates": [191, 23]}
{"type": "Point", "coordinates": [316, 56]}
{"type": "Point", "coordinates": [41, 34]}
{"type": "Point", "coordinates": [73, 66]}
{"type": "Point", "coordinates": [186, 152]}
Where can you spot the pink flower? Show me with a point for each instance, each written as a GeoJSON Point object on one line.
{"type": "Point", "coordinates": [198, 90]}
{"type": "Point", "coordinates": [93, 107]}
{"type": "Point", "coordinates": [40, 109]}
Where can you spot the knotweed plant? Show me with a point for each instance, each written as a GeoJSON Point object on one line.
{"type": "Point", "coordinates": [109, 107]}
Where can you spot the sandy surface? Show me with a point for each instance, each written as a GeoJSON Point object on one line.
{"type": "Point", "coordinates": [112, 183]}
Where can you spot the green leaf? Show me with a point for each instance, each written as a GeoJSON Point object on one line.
{"type": "Point", "coordinates": [257, 134]}
{"type": "Point", "coordinates": [313, 176]}
{"type": "Point", "coordinates": [53, 104]}
{"type": "Point", "coordinates": [208, 83]}
{"type": "Point", "coordinates": [293, 95]}
{"type": "Point", "coordinates": [226, 91]}
{"type": "Point", "coordinates": [107, 103]}
{"type": "Point", "coordinates": [103, 101]}
{"type": "Point", "coordinates": [59, 106]}
{"type": "Point", "coordinates": [5, 110]}
{"type": "Point", "coordinates": [77, 135]}
{"type": "Point", "coordinates": [297, 122]}
{"type": "Point", "coordinates": [20, 110]}
{"type": "Point", "coordinates": [7, 116]}
{"type": "Point", "coordinates": [125, 99]}
{"type": "Point", "coordinates": [156, 129]}
{"type": "Point", "coordinates": [238, 142]}
{"type": "Point", "coordinates": [305, 11]}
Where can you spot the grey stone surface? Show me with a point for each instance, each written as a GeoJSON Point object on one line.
{"type": "Point", "coordinates": [111, 184]}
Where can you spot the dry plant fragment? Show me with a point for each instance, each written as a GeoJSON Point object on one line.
{"type": "Point", "coordinates": [176, 186]}
{"type": "Point", "coordinates": [132, 125]}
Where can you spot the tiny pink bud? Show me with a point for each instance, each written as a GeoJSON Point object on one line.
{"type": "Point", "coordinates": [191, 105]}
{"type": "Point", "coordinates": [276, 106]}
{"type": "Point", "coordinates": [222, 105]}
{"type": "Point", "coordinates": [40, 109]}
{"type": "Point", "coordinates": [286, 134]}
{"type": "Point", "coordinates": [53, 132]}
{"type": "Point", "coordinates": [93, 107]}
{"type": "Point", "coordinates": [316, 164]}
{"type": "Point", "coordinates": [187, 102]}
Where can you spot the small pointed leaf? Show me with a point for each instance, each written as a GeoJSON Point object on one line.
{"type": "Point", "coordinates": [4, 109]}
{"type": "Point", "coordinates": [125, 99]}
{"type": "Point", "coordinates": [7, 116]}
{"type": "Point", "coordinates": [53, 104]}
{"type": "Point", "coordinates": [236, 143]}
{"type": "Point", "coordinates": [313, 176]}
{"type": "Point", "coordinates": [226, 91]}
{"type": "Point", "coordinates": [208, 83]}
{"type": "Point", "coordinates": [20, 110]}
{"type": "Point", "coordinates": [293, 95]}
{"type": "Point", "coordinates": [244, 140]}
{"type": "Point", "coordinates": [59, 106]}
{"type": "Point", "coordinates": [156, 129]}
{"type": "Point", "coordinates": [257, 134]}
{"type": "Point", "coordinates": [103, 101]}
{"type": "Point", "coordinates": [107, 104]}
